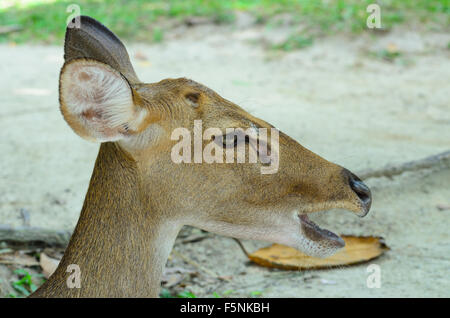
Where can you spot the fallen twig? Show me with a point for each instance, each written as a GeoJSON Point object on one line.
{"type": "Point", "coordinates": [34, 234]}
{"type": "Point", "coordinates": [241, 246]}
{"type": "Point", "coordinates": [415, 165]}
{"type": "Point", "coordinates": [196, 238]}
{"type": "Point", "coordinates": [18, 259]}
{"type": "Point", "coordinates": [194, 263]}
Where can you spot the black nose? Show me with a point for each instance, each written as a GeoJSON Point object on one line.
{"type": "Point", "coordinates": [361, 190]}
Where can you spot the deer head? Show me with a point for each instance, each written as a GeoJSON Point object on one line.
{"type": "Point", "coordinates": [103, 100]}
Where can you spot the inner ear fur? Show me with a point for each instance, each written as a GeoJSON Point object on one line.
{"type": "Point", "coordinates": [98, 102]}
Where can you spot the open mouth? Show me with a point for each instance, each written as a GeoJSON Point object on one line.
{"type": "Point", "coordinates": [322, 236]}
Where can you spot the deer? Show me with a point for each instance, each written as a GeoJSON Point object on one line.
{"type": "Point", "coordinates": [138, 199]}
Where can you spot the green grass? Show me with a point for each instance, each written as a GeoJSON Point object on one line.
{"type": "Point", "coordinates": [386, 55]}
{"type": "Point", "coordinates": [136, 20]}
{"type": "Point", "coordinates": [295, 41]}
{"type": "Point", "coordinates": [158, 35]}
{"type": "Point", "coordinates": [24, 286]}
{"type": "Point", "coordinates": [165, 293]}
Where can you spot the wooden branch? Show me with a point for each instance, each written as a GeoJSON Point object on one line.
{"type": "Point", "coordinates": [24, 234]}
{"type": "Point", "coordinates": [196, 238]}
{"type": "Point", "coordinates": [415, 165]}
{"type": "Point", "coordinates": [241, 246]}
{"type": "Point", "coordinates": [194, 263]}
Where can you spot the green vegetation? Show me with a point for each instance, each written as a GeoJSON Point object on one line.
{"type": "Point", "coordinates": [165, 293]}
{"type": "Point", "coordinates": [24, 286]}
{"type": "Point", "coordinates": [44, 20]}
{"type": "Point", "coordinates": [387, 55]}
{"type": "Point", "coordinates": [255, 293]}
{"type": "Point", "coordinates": [224, 294]}
{"type": "Point", "coordinates": [295, 41]}
{"type": "Point", "coordinates": [158, 35]}
{"type": "Point", "coordinates": [186, 294]}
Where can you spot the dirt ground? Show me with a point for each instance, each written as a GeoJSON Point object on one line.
{"type": "Point", "coordinates": [335, 98]}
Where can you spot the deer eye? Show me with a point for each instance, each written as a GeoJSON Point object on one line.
{"type": "Point", "coordinates": [232, 139]}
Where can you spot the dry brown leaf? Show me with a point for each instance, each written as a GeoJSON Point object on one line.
{"type": "Point", "coordinates": [357, 250]}
{"type": "Point", "coordinates": [392, 48]}
{"type": "Point", "coordinates": [18, 259]}
{"type": "Point", "coordinates": [48, 265]}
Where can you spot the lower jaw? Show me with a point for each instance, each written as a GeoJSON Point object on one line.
{"type": "Point", "coordinates": [321, 236]}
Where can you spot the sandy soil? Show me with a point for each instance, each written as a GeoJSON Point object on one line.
{"type": "Point", "coordinates": [334, 97]}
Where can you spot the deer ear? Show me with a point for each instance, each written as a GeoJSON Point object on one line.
{"type": "Point", "coordinates": [95, 41]}
{"type": "Point", "coordinates": [97, 101]}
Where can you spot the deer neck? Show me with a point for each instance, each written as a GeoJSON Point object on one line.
{"type": "Point", "coordinates": [119, 245]}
